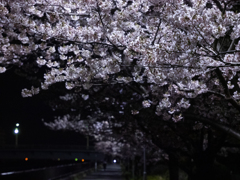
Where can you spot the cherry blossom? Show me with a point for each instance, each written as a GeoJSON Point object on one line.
{"type": "Point", "coordinates": [179, 56]}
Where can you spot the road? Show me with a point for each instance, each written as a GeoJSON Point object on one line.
{"type": "Point", "coordinates": [112, 172]}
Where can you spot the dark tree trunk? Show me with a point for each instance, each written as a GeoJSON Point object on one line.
{"type": "Point", "coordinates": [173, 167]}
{"type": "Point", "coordinates": [204, 165]}
{"type": "Point", "coordinates": [204, 171]}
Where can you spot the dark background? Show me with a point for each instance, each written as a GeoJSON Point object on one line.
{"type": "Point", "coordinates": [28, 112]}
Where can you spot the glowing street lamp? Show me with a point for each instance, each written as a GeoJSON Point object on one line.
{"type": "Point", "coordinates": [16, 131]}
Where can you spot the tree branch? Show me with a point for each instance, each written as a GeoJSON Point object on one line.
{"type": "Point", "coordinates": [218, 5]}
{"type": "Point", "coordinates": [156, 32]}
{"type": "Point", "coordinates": [228, 96]}
{"type": "Point", "coordinates": [223, 82]}
{"type": "Point", "coordinates": [216, 125]}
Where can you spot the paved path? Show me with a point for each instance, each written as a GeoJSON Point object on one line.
{"type": "Point", "coordinates": [113, 172]}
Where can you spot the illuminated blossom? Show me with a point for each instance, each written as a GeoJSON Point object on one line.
{"type": "Point", "coordinates": [146, 104]}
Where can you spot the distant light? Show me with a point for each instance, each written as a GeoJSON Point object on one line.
{"type": "Point", "coordinates": [82, 160]}
{"type": "Point", "coordinates": [114, 161]}
{"type": "Point", "coordinates": [58, 159]}
{"type": "Point", "coordinates": [76, 159]}
{"type": "Point", "coordinates": [16, 131]}
{"type": "Point", "coordinates": [6, 173]}
{"type": "Point", "coordinates": [26, 159]}
{"type": "Point", "coordinates": [17, 124]}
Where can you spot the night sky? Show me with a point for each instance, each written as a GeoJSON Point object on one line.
{"type": "Point", "coordinates": [28, 112]}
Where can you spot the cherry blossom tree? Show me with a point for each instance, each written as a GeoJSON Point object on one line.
{"type": "Point", "coordinates": [164, 43]}
{"type": "Point", "coordinates": [187, 143]}
{"type": "Point", "coordinates": [183, 56]}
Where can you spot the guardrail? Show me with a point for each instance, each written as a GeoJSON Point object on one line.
{"type": "Point", "coordinates": [49, 173]}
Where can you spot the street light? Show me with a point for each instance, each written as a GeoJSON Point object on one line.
{"type": "Point", "coordinates": [16, 131]}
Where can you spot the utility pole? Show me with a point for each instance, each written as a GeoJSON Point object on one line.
{"type": "Point", "coordinates": [16, 131]}
{"type": "Point", "coordinates": [87, 142]}
{"type": "Point", "coordinates": [144, 164]}
{"type": "Point", "coordinates": [95, 161]}
{"type": "Point", "coordinates": [133, 167]}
